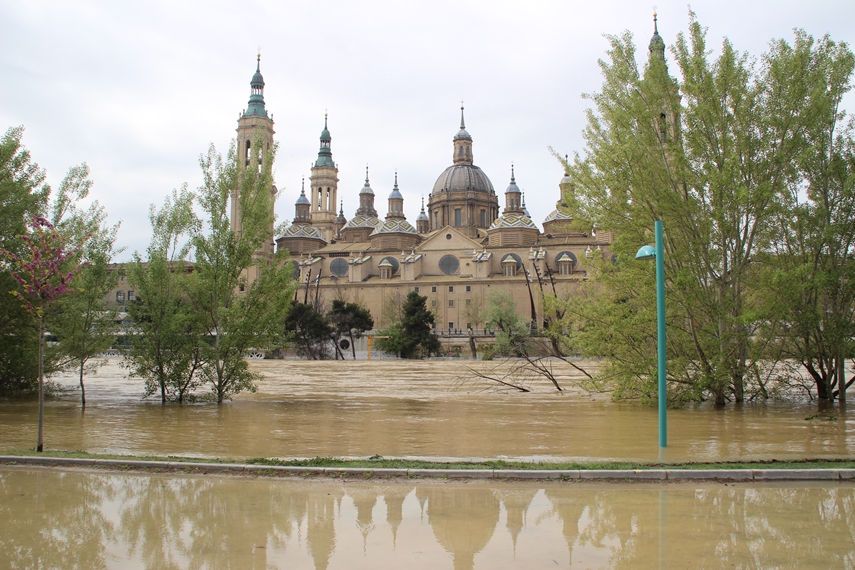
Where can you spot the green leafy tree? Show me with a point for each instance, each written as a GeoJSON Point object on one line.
{"type": "Point", "coordinates": [239, 293]}
{"type": "Point", "coordinates": [412, 336]}
{"type": "Point", "coordinates": [82, 322]}
{"type": "Point", "coordinates": [351, 319]}
{"type": "Point", "coordinates": [23, 193]}
{"type": "Point", "coordinates": [166, 339]}
{"type": "Point", "coordinates": [714, 156]}
{"type": "Point", "coordinates": [512, 332]}
{"type": "Point", "coordinates": [43, 274]}
{"type": "Point", "coordinates": [309, 330]}
{"type": "Point", "coordinates": [811, 274]}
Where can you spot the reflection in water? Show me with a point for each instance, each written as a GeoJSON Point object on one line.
{"type": "Point", "coordinates": [51, 519]}
{"type": "Point", "coordinates": [394, 408]}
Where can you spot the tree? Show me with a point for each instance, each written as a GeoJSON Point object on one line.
{"type": "Point", "coordinates": [412, 336]}
{"type": "Point", "coordinates": [811, 274]}
{"type": "Point", "coordinates": [309, 329]}
{"type": "Point", "coordinates": [714, 156]}
{"type": "Point", "coordinates": [23, 193]}
{"type": "Point", "coordinates": [82, 323]}
{"type": "Point", "coordinates": [237, 313]}
{"type": "Point", "coordinates": [166, 339]}
{"type": "Point", "coordinates": [351, 319]}
{"type": "Point", "coordinates": [42, 274]}
{"type": "Point", "coordinates": [513, 332]}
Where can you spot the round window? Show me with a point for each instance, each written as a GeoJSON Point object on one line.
{"type": "Point", "coordinates": [338, 267]}
{"type": "Point", "coordinates": [449, 264]}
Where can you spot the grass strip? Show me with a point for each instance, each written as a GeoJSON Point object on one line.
{"type": "Point", "coordinates": [377, 462]}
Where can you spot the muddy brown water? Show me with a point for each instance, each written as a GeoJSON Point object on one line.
{"type": "Point", "coordinates": [412, 409]}
{"type": "Point", "coordinates": [76, 519]}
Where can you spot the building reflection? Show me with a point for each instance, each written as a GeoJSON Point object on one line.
{"type": "Point", "coordinates": [462, 519]}
{"type": "Point", "coordinates": [51, 519]}
{"type": "Point", "coordinates": [516, 503]}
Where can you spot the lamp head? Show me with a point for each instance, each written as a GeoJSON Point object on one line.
{"type": "Point", "coordinates": [646, 252]}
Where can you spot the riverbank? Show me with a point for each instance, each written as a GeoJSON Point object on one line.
{"type": "Point", "coordinates": [771, 470]}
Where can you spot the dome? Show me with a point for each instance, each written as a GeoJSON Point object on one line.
{"type": "Point", "coordinates": [396, 194]}
{"type": "Point", "coordinates": [367, 188]}
{"type": "Point", "coordinates": [257, 79]}
{"type": "Point", "coordinates": [362, 222]}
{"type": "Point", "coordinates": [557, 215]}
{"type": "Point", "coordinates": [462, 134]}
{"type": "Point", "coordinates": [512, 187]}
{"type": "Point", "coordinates": [301, 231]}
{"type": "Point", "coordinates": [394, 227]}
{"type": "Point", "coordinates": [463, 177]}
{"type": "Point", "coordinates": [302, 199]}
{"type": "Point", "coordinates": [514, 221]}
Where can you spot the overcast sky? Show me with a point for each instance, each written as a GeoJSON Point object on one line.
{"type": "Point", "coordinates": [139, 90]}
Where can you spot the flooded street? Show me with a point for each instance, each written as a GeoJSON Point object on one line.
{"type": "Point", "coordinates": [397, 408]}
{"type": "Point", "coordinates": [52, 519]}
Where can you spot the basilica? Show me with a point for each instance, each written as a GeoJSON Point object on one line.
{"type": "Point", "coordinates": [462, 245]}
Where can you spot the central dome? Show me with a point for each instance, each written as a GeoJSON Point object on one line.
{"type": "Point", "coordinates": [462, 177]}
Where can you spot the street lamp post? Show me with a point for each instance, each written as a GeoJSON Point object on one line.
{"type": "Point", "coordinates": [647, 252]}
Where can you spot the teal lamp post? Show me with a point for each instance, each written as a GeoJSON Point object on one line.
{"type": "Point", "coordinates": [657, 253]}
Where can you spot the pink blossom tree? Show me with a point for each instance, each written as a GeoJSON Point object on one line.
{"type": "Point", "coordinates": [42, 271]}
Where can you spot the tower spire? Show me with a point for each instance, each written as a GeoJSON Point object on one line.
{"type": "Point", "coordinates": [657, 44]}
{"type": "Point", "coordinates": [462, 143]}
{"type": "Point", "coordinates": [255, 107]}
{"type": "Point", "coordinates": [325, 152]}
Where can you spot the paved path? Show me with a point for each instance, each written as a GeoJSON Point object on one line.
{"type": "Point", "coordinates": [363, 472]}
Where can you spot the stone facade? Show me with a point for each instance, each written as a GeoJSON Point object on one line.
{"type": "Point", "coordinates": [461, 248]}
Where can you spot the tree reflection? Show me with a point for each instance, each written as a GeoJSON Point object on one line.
{"type": "Point", "coordinates": [50, 519]}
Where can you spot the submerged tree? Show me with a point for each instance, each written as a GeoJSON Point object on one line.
{"type": "Point", "coordinates": [240, 291]}
{"type": "Point", "coordinates": [43, 274]}
{"type": "Point", "coordinates": [512, 331]}
{"type": "Point", "coordinates": [351, 319]}
{"type": "Point", "coordinates": [166, 339]}
{"type": "Point", "coordinates": [714, 156]}
{"type": "Point", "coordinates": [412, 336]}
{"type": "Point", "coordinates": [23, 194]}
{"type": "Point", "coordinates": [82, 323]}
{"type": "Point", "coordinates": [811, 269]}
{"type": "Point", "coordinates": [309, 330]}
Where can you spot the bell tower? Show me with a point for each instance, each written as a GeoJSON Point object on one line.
{"type": "Point", "coordinates": [255, 127]}
{"type": "Point", "coordinates": [324, 188]}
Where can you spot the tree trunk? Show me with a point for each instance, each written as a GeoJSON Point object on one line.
{"type": "Point", "coordinates": [841, 379]}
{"type": "Point", "coordinates": [472, 345]}
{"type": "Point", "coordinates": [352, 344]}
{"type": "Point", "coordinates": [82, 389]}
{"type": "Point", "coordinates": [40, 445]}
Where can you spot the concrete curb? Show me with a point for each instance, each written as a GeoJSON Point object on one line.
{"type": "Point", "coordinates": [534, 474]}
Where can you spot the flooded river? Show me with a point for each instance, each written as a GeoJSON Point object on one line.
{"type": "Point", "coordinates": [51, 519]}
{"type": "Point", "coordinates": [411, 409]}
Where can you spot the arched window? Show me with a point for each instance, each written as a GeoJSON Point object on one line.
{"type": "Point", "coordinates": [663, 128]}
